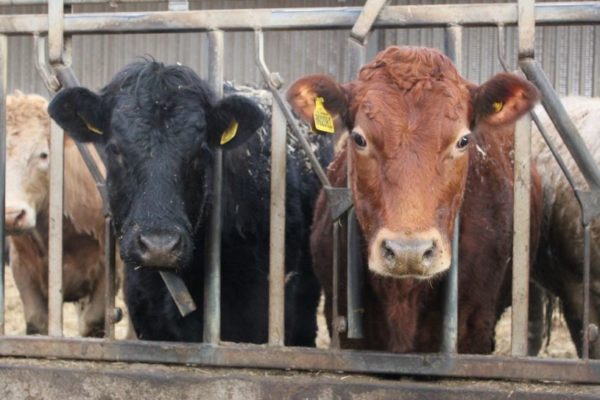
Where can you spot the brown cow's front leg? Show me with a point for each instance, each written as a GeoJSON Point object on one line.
{"type": "Point", "coordinates": [35, 303]}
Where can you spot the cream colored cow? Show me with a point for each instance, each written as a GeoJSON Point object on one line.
{"type": "Point", "coordinates": [27, 189]}
{"type": "Point", "coordinates": [560, 262]}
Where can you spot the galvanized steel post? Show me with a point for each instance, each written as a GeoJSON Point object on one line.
{"type": "Point", "coordinates": [212, 277]}
{"type": "Point", "coordinates": [521, 196]}
{"type": "Point", "coordinates": [55, 229]}
{"type": "Point", "coordinates": [277, 228]}
{"type": "Point", "coordinates": [453, 45]}
{"type": "Point", "coordinates": [55, 226]}
{"type": "Point", "coordinates": [3, 78]}
{"type": "Point", "coordinates": [110, 313]}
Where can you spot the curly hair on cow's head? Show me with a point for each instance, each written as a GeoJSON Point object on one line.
{"type": "Point", "coordinates": [154, 85]}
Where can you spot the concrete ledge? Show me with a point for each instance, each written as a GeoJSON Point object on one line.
{"type": "Point", "coordinates": [66, 380]}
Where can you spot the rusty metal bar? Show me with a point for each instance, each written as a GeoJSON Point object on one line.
{"type": "Point", "coordinates": [277, 228]}
{"type": "Point", "coordinates": [453, 48]}
{"type": "Point", "coordinates": [212, 276]}
{"type": "Point", "coordinates": [3, 79]}
{"type": "Point", "coordinates": [440, 15]}
{"type": "Point", "coordinates": [256, 356]}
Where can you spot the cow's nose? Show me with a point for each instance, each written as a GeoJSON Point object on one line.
{"type": "Point", "coordinates": [15, 218]}
{"type": "Point", "coordinates": [159, 249]}
{"type": "Point", "coordinates": [410, 252]}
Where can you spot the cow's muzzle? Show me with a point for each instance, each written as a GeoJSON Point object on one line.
{"type": "Point", "coordinates": [420, 255]}
{"type": "Point", "coordinates": [160, 249]}
{"type": "Point", "coordinates": [19, 219]}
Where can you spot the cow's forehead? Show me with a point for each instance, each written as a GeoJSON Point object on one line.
{"type": "Point", "coordinates": [396, 119]}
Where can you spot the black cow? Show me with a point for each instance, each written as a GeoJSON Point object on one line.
{"type": "Point", "coordinates": [159, 126]}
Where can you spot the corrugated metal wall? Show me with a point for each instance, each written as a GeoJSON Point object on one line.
{"type": "Point", "coordinates": [569, 55]}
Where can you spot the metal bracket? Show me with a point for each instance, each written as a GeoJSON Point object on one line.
{"type": "Point", "coordinates": [50, 80]}
{"type": "Point", "coordinates": [340, 200]}
{"type": "Point", "coordinates": [590, 205]}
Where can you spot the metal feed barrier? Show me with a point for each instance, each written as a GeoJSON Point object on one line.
{"type": "Point", "coordinates": [59, 27]}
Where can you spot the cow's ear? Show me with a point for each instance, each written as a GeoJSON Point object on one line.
{"type": "Point", "coordinates": [232, 121]}
{"type": "Point", "coordinates": [320, 101]}
{"type": "Point", "coordinates": [80, 112]}
{"type": "Point", "coordinates": [503, 99]}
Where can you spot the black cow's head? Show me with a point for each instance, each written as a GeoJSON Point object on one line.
{"type": "Point", "coordinates": [159, 126]}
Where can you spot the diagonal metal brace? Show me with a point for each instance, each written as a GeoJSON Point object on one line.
{"type": "Point", "coordinates": [366, 19]}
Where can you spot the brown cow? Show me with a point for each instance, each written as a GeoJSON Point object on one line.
{"type": "Point", "coordinates": [28, 135]}
{"type": "Point", "coordinates": [424, 143]}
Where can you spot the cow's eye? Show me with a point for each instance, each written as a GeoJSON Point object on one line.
{"type": "Point", "coordinates": [43, 155]}
{"type": "Point", "coordinates": [463, 141]}
{"type": "Point", "coordinates": [112, 149]}
{"type": "Point", "coordinates": [358, 139]}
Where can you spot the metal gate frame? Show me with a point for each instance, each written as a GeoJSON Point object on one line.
{"type": "Point", "coordinates": [213, 353]}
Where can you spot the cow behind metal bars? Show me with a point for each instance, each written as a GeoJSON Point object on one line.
{"type": "Point", "coordinates": [423, 144]}
{"type": "Point", "coordinates": [159, 126]}
{"type": "Point", "coordinates": [559, 266]}
{"type": "Point", "coordinates": [28, 135]}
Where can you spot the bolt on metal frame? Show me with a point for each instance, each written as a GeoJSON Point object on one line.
{"type": "Point", "coordinates": [450, 16]}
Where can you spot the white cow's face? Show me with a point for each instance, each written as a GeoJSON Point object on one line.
{"type": "Point", "coordinates": [27, 161]}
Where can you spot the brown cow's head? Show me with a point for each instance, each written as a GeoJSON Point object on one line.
{"type": "Point", "coordinates": [27, 161]}
{"type": "Point", "coordinates": [411, 118]}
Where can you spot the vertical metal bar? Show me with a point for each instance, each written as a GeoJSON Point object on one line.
{"type": "Point", "coordinates": [355, 278]}
{"type": "Point", "coordinates": [277, 228]}
{"type": "Point", "coordinates": [526, 27]}
{"type": "Point", "coordinates": [55, 230]}
{"type": "Point", "coordinates": [586, 292]}
{"type": "Point", "coordinates": [212, 278]}
{"type": "Point", "coordinates": [355, 59]}
{"type": "Point", "coordinates": [335, 317]}
{"type": "Point", "coordinates": [3, 78]}
{"type": "Point", "coordinates": [522, 200]}
{"type": "Point", "coordinates": [55, 31]}
{"type": "Point", "coordinates": [109, 275]}
{"type": "Point", "coordinates": [450, 323]}
{"type": "Point", "coordinates": [521, 236]}
{"type": "Point", "coordinates": [453, 47]}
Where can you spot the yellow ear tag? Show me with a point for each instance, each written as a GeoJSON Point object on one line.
{"type": "Point", "coordinates": [498, 105]}
{"type": "Point", "coordinates": [230, 132]}
{"type": "Point", "coordinates": [323, 120]}
{"type": "Point", "coordinates": [90, 127]}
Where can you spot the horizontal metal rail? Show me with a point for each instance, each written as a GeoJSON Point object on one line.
{"type": "Point", "coordinates": [255, 356]}
{"type": "Point", "coordinates": [302, 18]}
{"type": "Point", "coordinates": [79, 2]}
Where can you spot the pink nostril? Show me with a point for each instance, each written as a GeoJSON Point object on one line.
{"type": "Point", "coordinates": [14, 216]}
